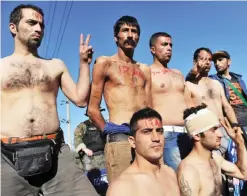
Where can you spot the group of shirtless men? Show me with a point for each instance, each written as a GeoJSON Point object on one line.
{"type": "Point", "coordinates": [150, 108]}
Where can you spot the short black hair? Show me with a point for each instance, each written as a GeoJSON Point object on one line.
{"type": "Point", "coordinates": [154, 37]}
{"type": "Point", "coordinates": [196, 53]}
{"type": "Point", "coordinates": [16, 14]}
{"type": "Point", "coordinates": [129, 20]}
{"type": "Point", "coordinates": [193, 110]}
{"type": "Point", "coordinates": [144, 113]}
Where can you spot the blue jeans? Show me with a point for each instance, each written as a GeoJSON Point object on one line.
{"type": "Point", "coordinates": [171, 155]}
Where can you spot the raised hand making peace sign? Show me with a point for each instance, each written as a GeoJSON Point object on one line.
{"type": "Point", "coordinates": [85, 51]}
{"type": "Point", "coordinates": [234, 133]}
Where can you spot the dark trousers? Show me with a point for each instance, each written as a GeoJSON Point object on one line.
{"type": "Point", "coordinates": [65, 178]}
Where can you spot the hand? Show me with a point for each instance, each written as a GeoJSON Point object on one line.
{"type": "Point", "coordinates": [88, 152]}
{"type": "Point", "coordinates": [234, 133]}
{"type": "Point", "coordinates": [202, 65]}
{"type": "Point", "coordinates": [85, 51]}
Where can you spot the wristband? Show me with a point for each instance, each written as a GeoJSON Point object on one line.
{"type": "Point", "coordinates": [235, 125]}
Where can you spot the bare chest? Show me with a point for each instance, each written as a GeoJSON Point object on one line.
{"type": "Point", "coordinates": [211, 181]}
{"type": "Point", "coordinates": [204, 91]}
{"type": "Point", "coordinates": [24, 74]}
{"type": "Point", "coordinates": [126, 75]}
{"type": "Point", "coordinates": [158, 186]}
{"type": "Point", "coordinates": [166, 81]}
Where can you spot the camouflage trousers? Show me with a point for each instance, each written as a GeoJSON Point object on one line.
{"type": "Point", "coordinates": [87, 163]}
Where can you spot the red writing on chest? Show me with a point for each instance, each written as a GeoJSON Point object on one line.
{"type": "Point", "coordinates": [131, 71]}
{"type": "Point", "coordinates": [150, 123]}
{"type": "Point", "coordinates": [165, 71]}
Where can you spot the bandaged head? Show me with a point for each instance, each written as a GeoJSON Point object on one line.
{"type": "Point", "coordinates": [201, 121]}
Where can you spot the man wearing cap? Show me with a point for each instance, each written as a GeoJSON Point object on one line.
{"type": "Point", "coordinates": [200, 172]}
{"type": "Point", "coordinates": [234, 87]}
{"type": "Point", "coordinates": [236, 93]}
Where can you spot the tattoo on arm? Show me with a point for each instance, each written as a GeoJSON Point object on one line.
{"type": "Point", "coordinates": [184, 187]}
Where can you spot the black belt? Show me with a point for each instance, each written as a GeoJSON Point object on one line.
{"type": "Point", "coordinates": [116, 137]}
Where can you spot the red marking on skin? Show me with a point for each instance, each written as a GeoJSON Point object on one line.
{"type": "Point", "coordinates": [37, 16]}
{"type": "Point", "coordinates": [151, 123]}
{"type": "Point", "coordinates": [131, 71]}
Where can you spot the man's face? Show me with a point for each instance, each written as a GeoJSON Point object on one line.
{"type": "Point", "coordinates": [127, 37]}
{"type": "Point", "coordinates": [30, 29]}
{"type": "Point", "coordinates": [221, 64]}
{"type": "Point", "coordinates": [204, 61]}
{"type": "Point", "coordinates": [149, 140]}
{"type": "Point", "coordinates": [162, 49]}
{"type": "Point", "coordinates": [212, 138]}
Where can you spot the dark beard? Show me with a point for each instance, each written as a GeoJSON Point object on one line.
{"type": "Point", "coordinates": [33, 44]}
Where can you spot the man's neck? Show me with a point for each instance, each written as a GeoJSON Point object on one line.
{"type": "Point", "coordinates": [226, 74]}
{"type": "Point", "coordinates": [126, 56]}
{"type": "Point", "coordinates": [23, 50]}
{"type": "Point", "coordinates": [201, 152]}
{"type": "Point", "coordinates": [200, 77]}
{"type": "Point", "coordinates": [145, 166]}
{"type": "Point", "coordinates": [159, 64]}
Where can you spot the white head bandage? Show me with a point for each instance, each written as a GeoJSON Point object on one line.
{"type": "Point", "coordinates": [202, 121]}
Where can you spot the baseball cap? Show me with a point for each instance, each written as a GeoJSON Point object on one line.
{"type": "Point", "coordinates": [220, 53]}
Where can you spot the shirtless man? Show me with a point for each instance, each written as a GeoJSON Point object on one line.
{"type": "Point", "coordinates": [199, 174]}
{"type": "Point", "coordinates": [170, 96]}
{"type": "Point", "coordinates": [146, 176]}
{"type": "Point", "coordinates": [125, 84]}
{"type": "Point", "coordinates": [206, 90]}
{"type": "Point", "coordinates": [31, 140]}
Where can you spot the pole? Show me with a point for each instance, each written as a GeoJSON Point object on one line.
{"type": "Point", "coordinates": [68, 122]}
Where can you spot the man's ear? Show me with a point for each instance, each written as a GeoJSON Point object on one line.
{"type": "Point", "coordinates": [197, 138]}
{"type": "Point", "coordinates": [115, 38]}
{"type": "Point", "coordinates": [13, 28]}
{"type": "Point", "coordinates": [194, 63]}
{"type": "Point", "coordinates": [132, 142]}
{"type": "Point", "coordinates": [152, 49]}
{"type": "Point", "coordinates": [229, 62]}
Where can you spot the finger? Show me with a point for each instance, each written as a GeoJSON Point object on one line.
{"type": "Point", "coordinates": [90, 48]}
{"type": "Point", "coordinates": [87, 39]}
{"type": "Point", "coordinates": [223, 124]}
{"type": "Point", "coordinates": [81, 39]}
{"type": "Point", "coordinates": [227, 123]}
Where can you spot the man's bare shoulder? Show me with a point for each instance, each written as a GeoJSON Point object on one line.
{"type": "Point", "coordinates": [121, 186]}
{"type": "Point", "coordinates": [186, 167]}
{"type": "Point", "coordinates": [103, 62]}
{"type": "Point", "coordinates": [144, 67]}
{"type": "Point", "coordinates": [168, 170]}
{"type": "Point", "coordinates": [190, 85]}
{"type": "Point", "coordinates": [177, 71]}
{"type": "Point", "coordinates": [214, 82]}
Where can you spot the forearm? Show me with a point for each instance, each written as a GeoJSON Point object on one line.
{"type": "Point", "coordinates": [230, 114]}
{"type": "Point", "coordinates": [97, 118]}
{"type": "Point", "coordinates": [83, 84]}
{"type": "Point", "coordinates": [242, 159]}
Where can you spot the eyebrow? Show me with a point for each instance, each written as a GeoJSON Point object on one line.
{"type": "Point", "coordinates": [149, 129]}
{"type": "Point", "coordinates": [33, 20]}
